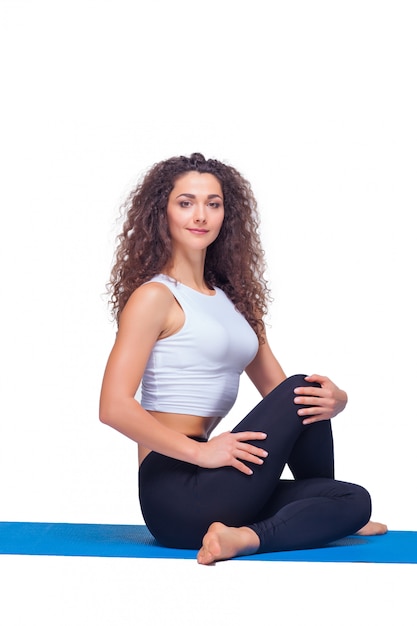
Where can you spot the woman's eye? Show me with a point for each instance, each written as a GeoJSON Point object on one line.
{"type": "Point", "coordinates": [185, 204]}
{"type": "Point", "coordinates": [214, 205]}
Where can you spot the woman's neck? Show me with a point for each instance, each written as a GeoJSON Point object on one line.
{"type": "Point", "coordinates": [189, 275]}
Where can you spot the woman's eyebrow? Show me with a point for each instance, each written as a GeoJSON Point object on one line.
{"type": "Point", "coordinates": [191, 195]}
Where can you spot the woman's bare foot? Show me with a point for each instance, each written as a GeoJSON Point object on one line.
{"type": "Point", "coordinates": [373, 528]}
{"type": "Point", "coordinates": [224, 542]}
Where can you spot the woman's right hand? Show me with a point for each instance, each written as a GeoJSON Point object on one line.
{"type": "Point", "coordinates": [231, 449]}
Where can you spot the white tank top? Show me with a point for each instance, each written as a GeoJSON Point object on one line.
{"type": "Point", "coordinates": [196, 371]}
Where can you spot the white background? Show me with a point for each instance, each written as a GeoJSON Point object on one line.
{"type": "Point", "coordinates": [314, 102]}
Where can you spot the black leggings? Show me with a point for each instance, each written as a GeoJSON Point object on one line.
{"type": "Point", "coordinates": [180, 500]}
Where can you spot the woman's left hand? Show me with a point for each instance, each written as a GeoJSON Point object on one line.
{"type": "Point", "coordinates": [323, 402]}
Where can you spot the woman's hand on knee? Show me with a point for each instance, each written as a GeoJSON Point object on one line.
{"type": "Point", "coordinates": [322, 402]}
{"type": "Point", "coordinates": [232, 449]}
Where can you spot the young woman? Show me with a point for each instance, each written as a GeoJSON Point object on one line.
{"type": "Point", "coordinates": [188, 293]}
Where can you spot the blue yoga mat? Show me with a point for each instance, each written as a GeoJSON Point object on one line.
{"type": "Point", "coordinates": [114, 540]}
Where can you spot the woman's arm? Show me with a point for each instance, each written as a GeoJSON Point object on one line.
{"type": "Point", "coordinates": [264, 371]}
{"type": "Point", "coordinates": [145, 316]}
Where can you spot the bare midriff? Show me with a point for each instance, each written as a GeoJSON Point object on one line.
{"type": "Point", "coordinates": [190, 425]}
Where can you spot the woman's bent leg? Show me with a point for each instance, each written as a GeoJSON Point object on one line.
{"type": "Point", "coordinates": [308, 449]}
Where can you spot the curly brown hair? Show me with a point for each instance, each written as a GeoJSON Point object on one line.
{"type": "Point", "coordinates": [234, 261]}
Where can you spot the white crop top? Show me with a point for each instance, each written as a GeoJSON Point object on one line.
{"type": "Point", "coordinates": [196, 371]}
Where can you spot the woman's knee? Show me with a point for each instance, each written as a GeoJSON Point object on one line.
{"type": "Point", "coordinates": [356, 509]}
{"type": "Point", "coordinates": [284, 392]}
{"type": "Point", "coordinates": [296, 380]}
{"type": "Point", "coordinates": [302, 382]}
{"type": "Point", "coordinates": [362, 505]}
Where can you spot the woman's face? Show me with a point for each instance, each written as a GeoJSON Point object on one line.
{"type": "Point", "coordinates": [195, 211]}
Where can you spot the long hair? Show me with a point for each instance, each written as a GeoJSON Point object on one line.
{"type": "Point", "coordinates": [234, 261]}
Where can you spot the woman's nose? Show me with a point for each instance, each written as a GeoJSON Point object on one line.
{"type": "Point", "coordinates": [200, 215]}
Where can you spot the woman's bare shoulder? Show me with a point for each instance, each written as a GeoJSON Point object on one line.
{"type": "Point", "coordinates": [149, 297]}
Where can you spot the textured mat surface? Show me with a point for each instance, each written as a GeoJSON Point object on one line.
{"type": "Point", "coordinates": [113, 540]}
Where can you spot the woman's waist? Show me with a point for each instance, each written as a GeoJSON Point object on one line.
{"type": "Point", "coordinates": [194, 426]}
